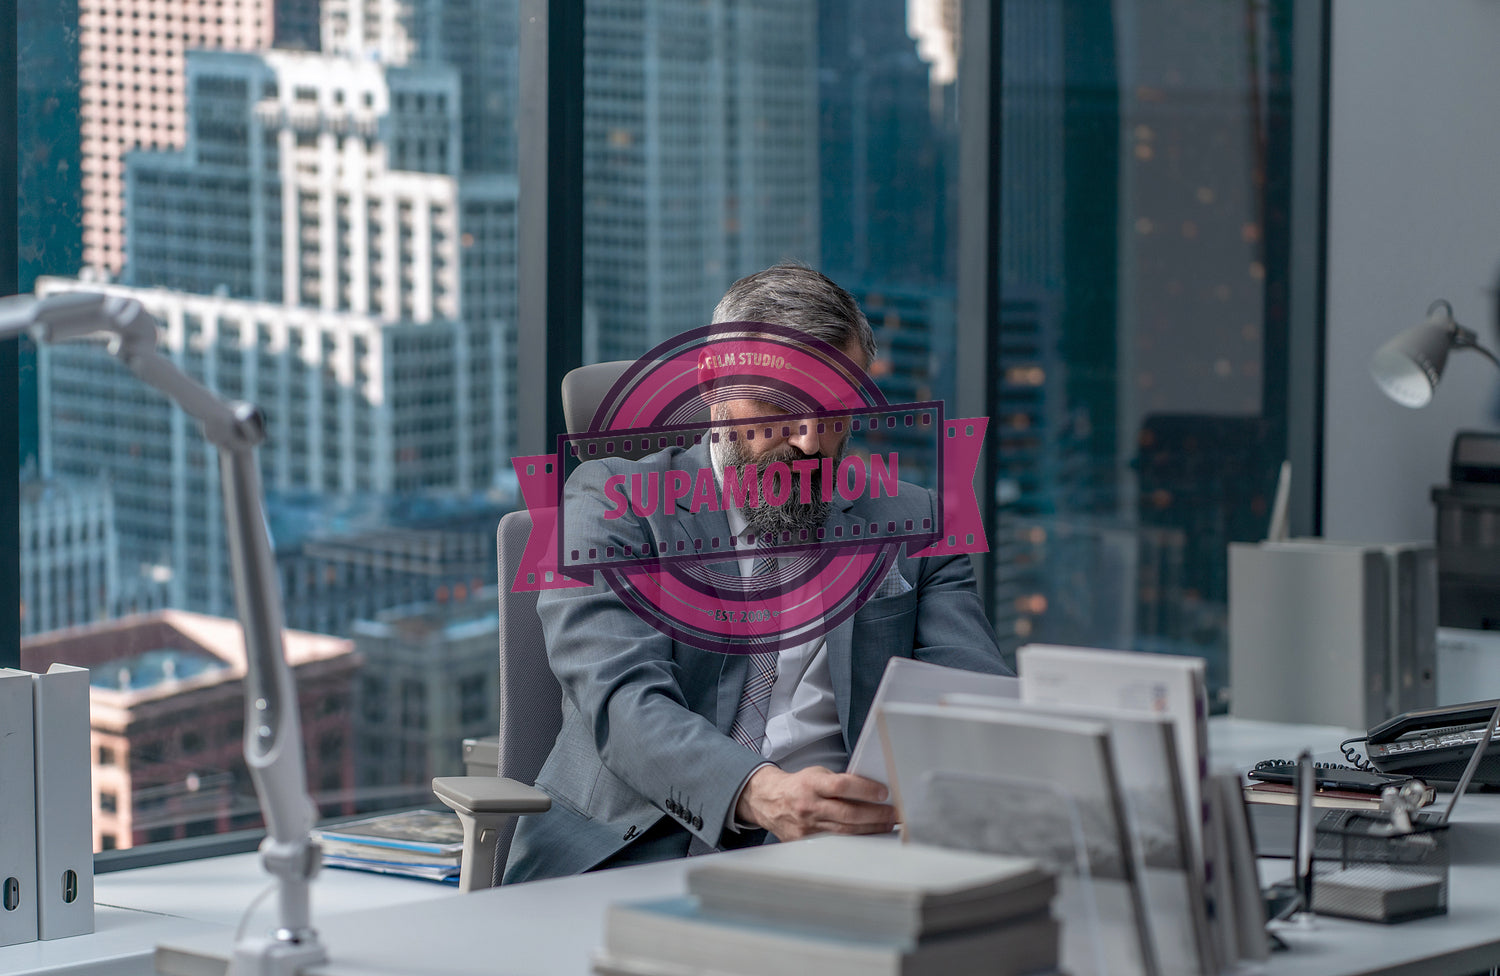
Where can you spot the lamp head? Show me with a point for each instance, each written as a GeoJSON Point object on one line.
{"type": "Point", "coordinates": [1409, 366]}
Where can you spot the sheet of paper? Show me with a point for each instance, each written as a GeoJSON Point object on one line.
{"type": "Point", "coordinates": [908, 682]}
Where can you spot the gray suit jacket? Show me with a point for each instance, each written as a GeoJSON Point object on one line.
{"type": "Point", "coordinates": [646, 719]}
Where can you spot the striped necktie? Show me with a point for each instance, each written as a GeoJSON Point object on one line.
{"type": "Point", "coordinates": [749, 728]}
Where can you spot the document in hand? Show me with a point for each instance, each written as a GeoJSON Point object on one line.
{"type": "Point", "coordinates": [1146, 767]}
{"type": "Point", "coordinates": [918, 683]}
{"type": "Point", "coordinates": [1031, 785]}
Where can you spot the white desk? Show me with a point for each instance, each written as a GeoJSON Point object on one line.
{"type": "Point", "coordinates": [551, 927]}
{"type": "Point", "coordinates": [135, 910]}
{"type": "Point", "coordinates": [375, 926]}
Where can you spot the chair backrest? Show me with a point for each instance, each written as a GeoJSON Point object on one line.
{"type": "Point", "coordinates": [530, 697]}
{"type": "Point", "coordinates": [583, 389]}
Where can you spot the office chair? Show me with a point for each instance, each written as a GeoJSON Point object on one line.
{"type": "Point", "coordinates": [530, 698]}
{"type": "Point", "coordinates": [530, 716]}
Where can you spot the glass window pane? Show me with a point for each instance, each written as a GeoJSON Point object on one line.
{"type": "Point", "coordinates": [721, 139]}
{"type": "Point", "coordinates": [323, 224]}
{"type": "Point", "coordinates": [1141, 382]}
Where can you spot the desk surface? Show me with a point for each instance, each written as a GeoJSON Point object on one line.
{"type": "Point", "coordinates": [374, 926]}
{"type": "Point", "coordinates": [551, 927]}
{"type": "Point", "coordinates": [135, 910]}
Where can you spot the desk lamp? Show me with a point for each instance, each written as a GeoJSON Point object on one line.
{"type": "Point", "coordinates": [1409, 366]}
{"type": "Point", "coordinates": [273, 734]}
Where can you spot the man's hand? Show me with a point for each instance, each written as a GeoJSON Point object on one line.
{"type": "Point", "coordinates": [814, 800]}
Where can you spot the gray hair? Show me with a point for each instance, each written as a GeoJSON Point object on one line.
{"type": "Point", "coordinates": [795, 295]}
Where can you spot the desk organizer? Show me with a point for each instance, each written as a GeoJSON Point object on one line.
{"type": "Point", "coordinates": [1364, 871]}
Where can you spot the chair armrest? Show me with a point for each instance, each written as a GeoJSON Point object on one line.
{"type": "Point", "coordinates": [482, 804]}
{"type": "Point", "coordinates": [489, 794]}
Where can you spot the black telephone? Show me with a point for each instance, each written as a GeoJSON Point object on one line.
{"type": "Point", "coordinates": [1435, 744]}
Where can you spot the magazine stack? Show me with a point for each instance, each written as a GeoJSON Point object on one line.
{"type": "Point", "coordinates": [415, 844]}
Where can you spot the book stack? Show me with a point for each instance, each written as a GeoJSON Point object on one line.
{"type": "Point", "coordinates": [424, 844]}
{"type": "Point", "coordinates": [1323, 799]}
{"type": "Point", "coordinates": [843, 906]}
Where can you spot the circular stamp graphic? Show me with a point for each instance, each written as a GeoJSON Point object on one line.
{"type": "Point", "coordinates": [778, 582]}
{"type": "Point", "coordinates": [734, 492]}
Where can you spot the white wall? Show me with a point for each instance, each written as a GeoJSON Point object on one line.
{"type": "Point", "coordinates": [1413, 215]}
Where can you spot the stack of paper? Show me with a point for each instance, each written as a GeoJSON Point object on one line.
{"type": "Point", "coordinates": [836, 905]}
{"type": "Point", "coordinates": [416, 844]}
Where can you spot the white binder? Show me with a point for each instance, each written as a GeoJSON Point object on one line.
{"type": "Point", "coordinates": [17, 810]}
{"type": "Point", "coordinates": [64, 803]}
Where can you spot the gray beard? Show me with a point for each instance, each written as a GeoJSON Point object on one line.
{"type": "Point", "coordinates": [792, 515]}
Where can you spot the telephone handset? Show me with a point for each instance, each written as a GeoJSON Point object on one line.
{"type": "Point", "coordinates": [1435, 743]}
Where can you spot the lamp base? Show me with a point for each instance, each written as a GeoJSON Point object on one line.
{"type": "Point", "coordinates": [262, 955]}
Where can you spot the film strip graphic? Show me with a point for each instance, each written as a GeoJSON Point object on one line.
{"type": "Point", "coordinates": [956, 528]}
{"type": "Point", "coordinates": [694, 493]}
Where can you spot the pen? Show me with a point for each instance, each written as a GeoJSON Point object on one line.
{"type": "Point", "coordinates": [1306, 829]}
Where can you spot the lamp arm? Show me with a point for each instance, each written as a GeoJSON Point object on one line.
{"type": "Point", "coordinates": [273, 735]}
{"type": "Point", "coordinates": [1466, 339]}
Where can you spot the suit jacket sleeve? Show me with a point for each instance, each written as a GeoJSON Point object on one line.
{"type": "Point", "coordinates": [633, 685]}
{"type": "Point", "coordinates": [951, 627]}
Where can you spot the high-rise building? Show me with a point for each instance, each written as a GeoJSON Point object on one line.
{"type": "Point", "coordinates": [167, 706]}
{"type": "Point", "coordinates": [885, 151]}
{"type": "Point", "coordinates": [914, 332]}
{"type": "Point", "coordinates": [311, 180]}
{"type": "Point", "coordinates": [333, 183]}
{"type": "Point", "coordinates": [353, 405]}
{"type": "Point", "coordinates": [344, 558]}
{"type": "Point", "coordinates": [477, 38]}
{"type": "Point", "coordinates": [298, 23]}
{"type": "Point", "coordinates": [68, 569]}
{"type": "Point", "coordinates": [133, 95]}
{"type": "Point", "coordinates": [700, 159]}
{"type": "Point", "coordinates": [429, 682]}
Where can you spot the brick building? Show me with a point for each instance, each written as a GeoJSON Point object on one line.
{"type": "Point", "coordinates": [166, 702]}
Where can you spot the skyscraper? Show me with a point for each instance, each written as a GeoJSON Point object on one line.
{"type": "Point", "coordinates": [700, 158]}
{"type": "Point", "coordinates": [477, 38]}
{"type": "Point", "coordinates": [133, 93]}
{"type": "Point", "coordinates": [353, 405]}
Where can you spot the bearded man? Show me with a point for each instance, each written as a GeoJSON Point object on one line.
{"type": "Point", "coordinates": [667, 749]}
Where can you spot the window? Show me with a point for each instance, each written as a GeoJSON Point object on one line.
{"type": "Point", "coordinates": [108, 802]}
{"type": "Point", "coordinates": [1140, 422]}
{"type": "Point", "coordinates": [1138, 215]}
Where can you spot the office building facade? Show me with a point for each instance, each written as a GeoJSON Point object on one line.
{"type": "Point", "coordinates": [476, 38]}
{"type": "Point", "coordinates": [700, 159]}
{"type": "Point", "coordinates": [352, 405]}
{"type": "Point", "coordinates": [347, 558]}
{"type": "Point", "coordinates": [430, 680]}
{"type": "Point", "coordinates": [167, 705]}
{"type": "Point", "coordinates": [68, 567]}
{"type": "Point", "coordinates": [132, 93]}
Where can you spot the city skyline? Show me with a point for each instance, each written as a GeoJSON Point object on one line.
{"type": "Point", "coordinates": [326, 224]}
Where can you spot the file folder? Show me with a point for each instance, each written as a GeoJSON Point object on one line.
{"type": "Point", "coordinates": [17, 810]}
{"type": "Point", "coordinates": [64, 803]}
